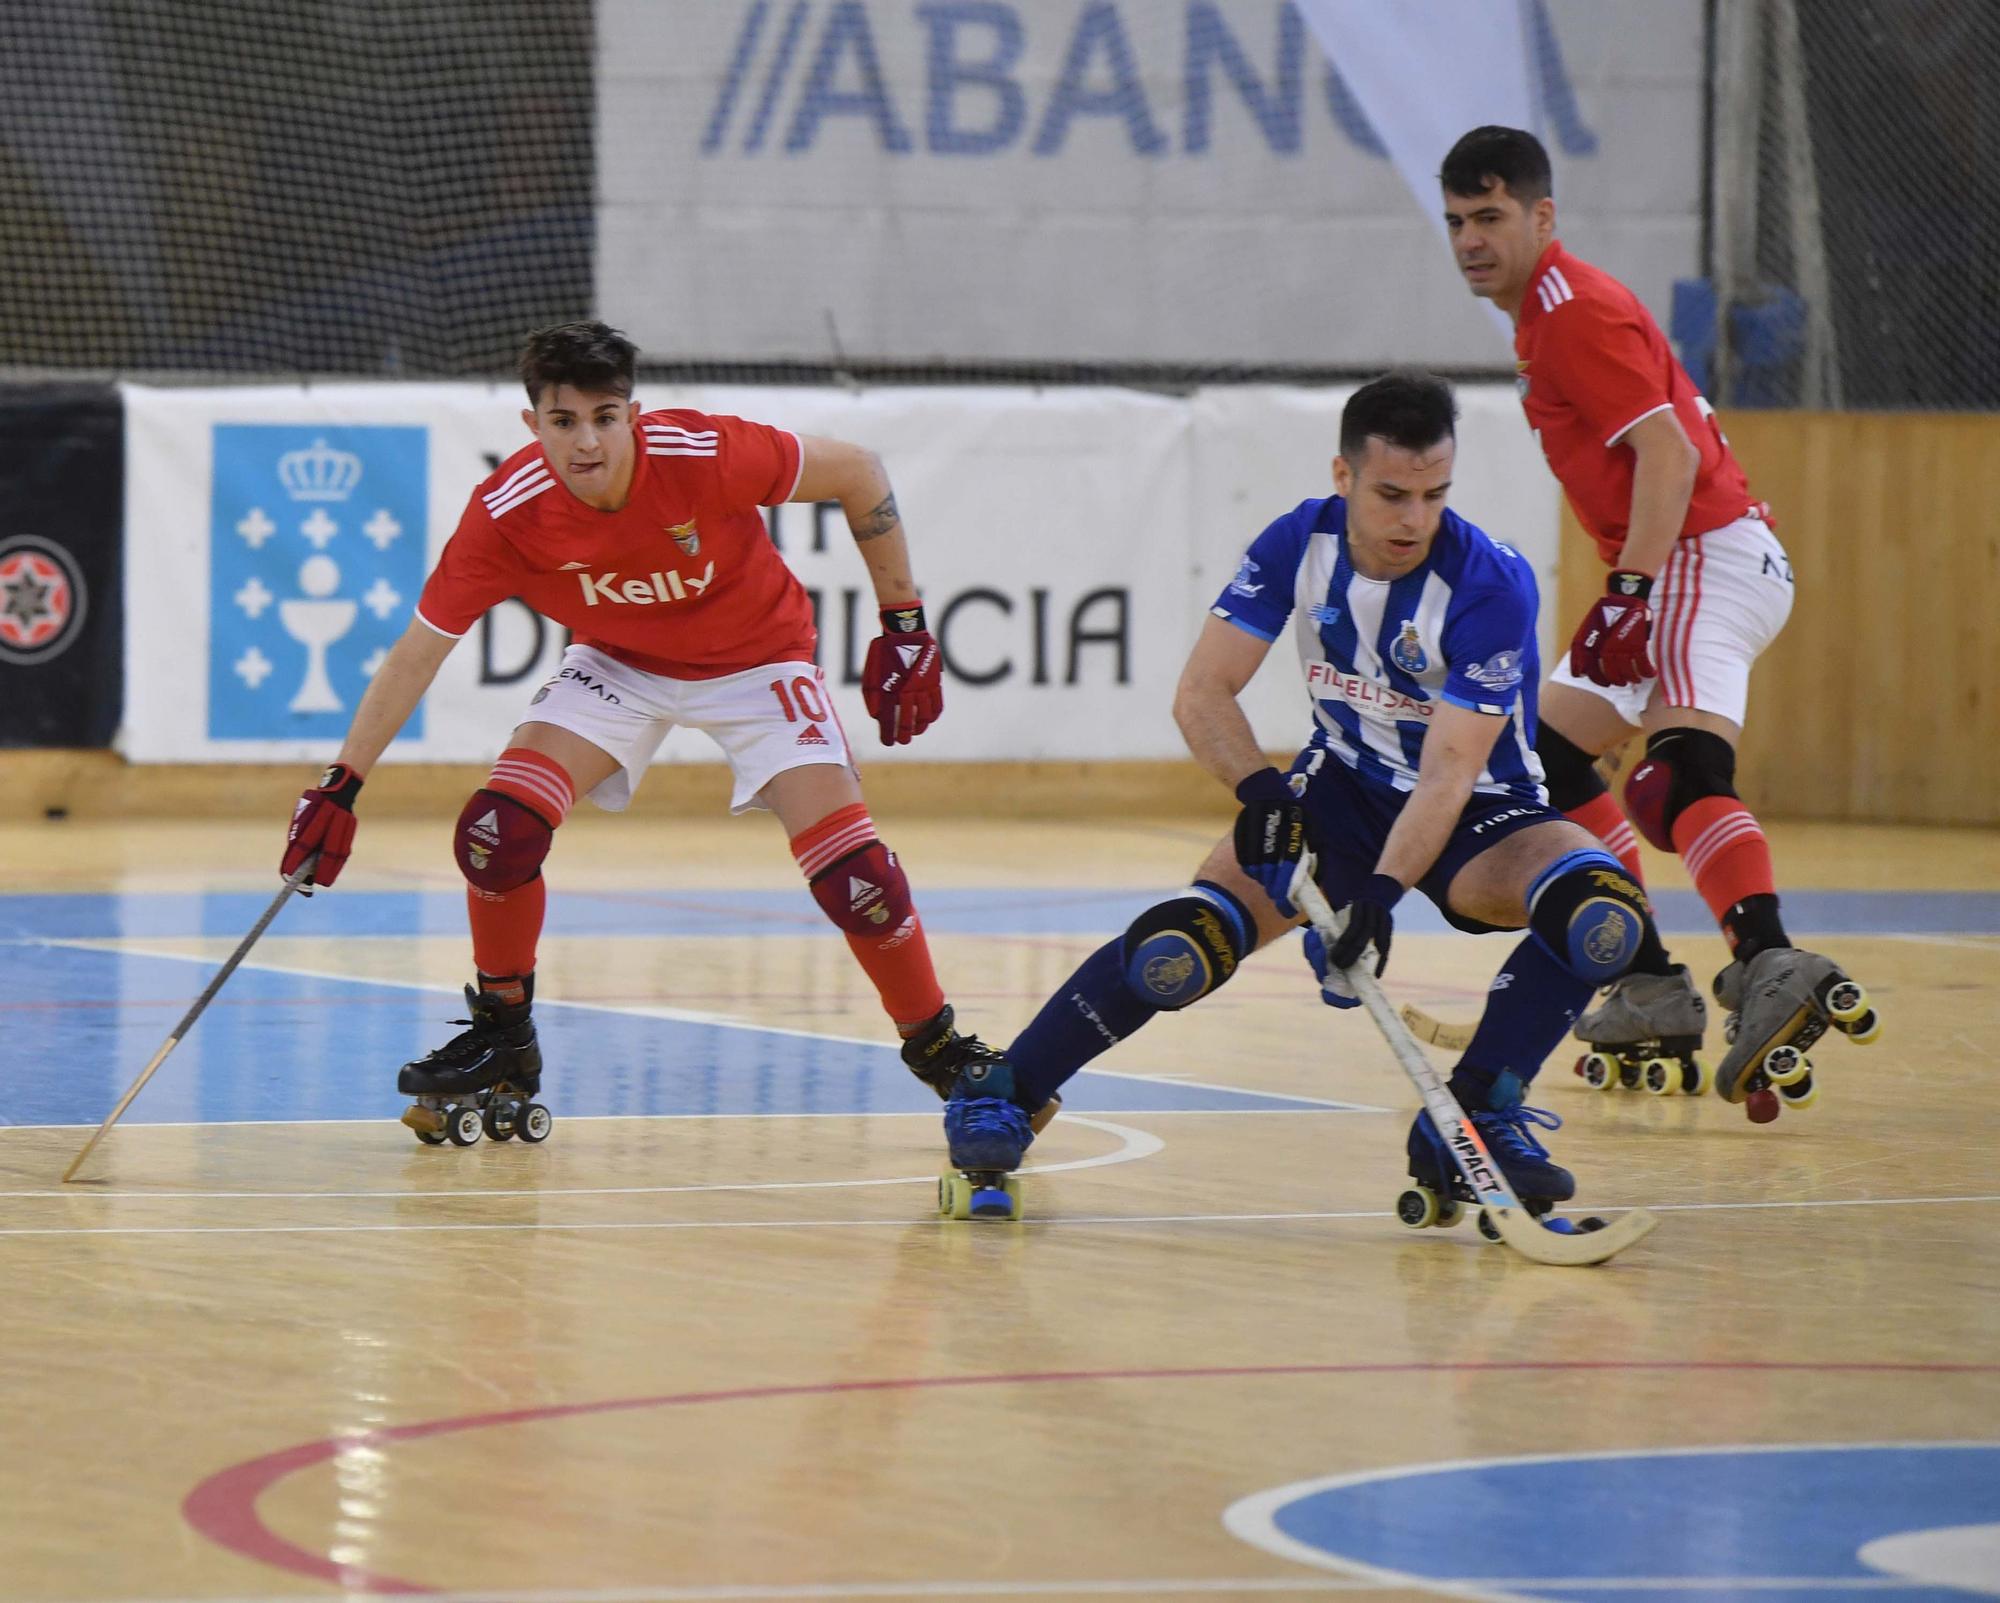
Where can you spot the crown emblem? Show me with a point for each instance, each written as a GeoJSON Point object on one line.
{"type": "Point", "coordinates": [319, 473]}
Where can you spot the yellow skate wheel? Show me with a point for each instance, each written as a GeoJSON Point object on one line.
{"type": "Point", "coordinates": [1800, 1093]}
{"type": "Point", "coordinates": [1846, 1002]}
{"type": "Point", "coordinates": [1698, 1077]}
{"type": "Point", "coordinates": [1865, 1029]}
{"type": "Point", "coordinates": [954, 1197]}
{"type": "Point", "coordinates": [1600, 1073]}
{"type": "Point", "coordinates": [1661, 1076]}
{"type": "Point", "coordinates": [1785, 1065]}
{"type": "Point", "coordinates": [1450, 1212]}
{"type": "Point", "coordinates": [1418, 1207]}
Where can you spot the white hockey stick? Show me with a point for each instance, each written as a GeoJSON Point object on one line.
{"type": "Point", "coordinates": [1495, 1197]}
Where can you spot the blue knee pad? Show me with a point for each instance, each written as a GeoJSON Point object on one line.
{"type": "Point", "coordinates": [1588, 914]}
{"type": "Point", "coordinates": [1177, 951]}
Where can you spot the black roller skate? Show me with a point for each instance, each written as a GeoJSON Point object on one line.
{"type": "Point", "coordinates": [1780, 1003]}
{"type": "Point", "coordinates": [1646, 1033]}
{"type": "Point", "coordinates": [1507, 1125]}
{"type": "Point", "coordinates": [485, 1080]}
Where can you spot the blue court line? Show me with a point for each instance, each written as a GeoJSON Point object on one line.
{"type": "Point", "coordinates": [1026, 911]}
{"type": "Point", "coordinates": [81, 1022]}
{"type": "Point", "coordinates": [1692, 1525]}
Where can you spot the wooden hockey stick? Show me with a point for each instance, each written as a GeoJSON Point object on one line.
{"type": "Point", "coordinates": [1436, 1032]}
{"type": "Point", "coordinates": [1516, 1226]}
{"type": "Point", "coordinates": [187, 1022]}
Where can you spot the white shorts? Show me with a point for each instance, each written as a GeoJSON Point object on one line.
{"type": "Point", "coordinates": [1721, 599]}
{"type": "Point", "coordinates": [766, 720]}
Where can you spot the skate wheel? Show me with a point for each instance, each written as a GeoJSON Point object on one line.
{"type": "Point", "coordinates": [462, 1127]}
{"type": "Point", "coordinates": [532, 1122]}
{"type": "Point", "coordinates": [1418, 1207]}
{"type": "Point", "coordinates": [1800, 1093]}
{"type": "Point", "coordinates": [496, 1123]}
{"type": "Point", "coordinates": [1487, 1228]}
{"type": "Point", "coordinates": [1785, 1065]}
{"type": "Point", "coordinates": [430, 1138]}
{"type": "Point", "coordinates": [1863, 1029]}
{"type": "Point", "coordinates": [1761, 1106]}
{"type": "Point", "coordinates": [954, 1199]}
{"type": "Point", "coordinates": [1697, 1076]}
{"type": "Point", "coordinates": [1845, 1001]}
{"type": "Point", "coordinates": [1599, 1072]}
{"type": "Point", "coordinates": [1661, 1076]}
{"type": "Point", "coordinates": [1450, 1212]}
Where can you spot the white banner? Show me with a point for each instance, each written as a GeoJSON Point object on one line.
{"type": "Point", "coordinates": [1180, 181]}
{"type": "Point", "coordinates": [1067, 542]}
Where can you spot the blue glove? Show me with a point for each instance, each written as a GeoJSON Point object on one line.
{"type": "Point", "coordinates": [1271, 841]}
{"type": "Point", "coordinates": [1369, 922]}
{"type": "Point", "coordinates": [1334, 990]}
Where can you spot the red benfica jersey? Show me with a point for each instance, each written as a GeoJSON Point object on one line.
{"type": "Point", "coordinates": [1592, 362]}
{"type": "Point", "coordinates": [682, 580]}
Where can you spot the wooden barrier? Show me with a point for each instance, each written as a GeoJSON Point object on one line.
{"type": "Point", "coordinates": [1880, 701]}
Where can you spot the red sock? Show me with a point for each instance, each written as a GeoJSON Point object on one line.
{"type": "Point", "coordinates": [892, 952]}
{"type": "Point", "coordinates": [1605, 819]}
{"type": "Point", "coordinates": [507, 925]}
{"type": "Point", "coordinates": [1726, 854]}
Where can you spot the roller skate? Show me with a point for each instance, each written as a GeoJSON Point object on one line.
{"type": "Point", "coordinates": [1780, 1003]}
{"type": "Point", "coordinates": [985, 1132]}
{"type": "Point", "coordinates": [1440, 1195]}
{"type": "Point", "coordinates": [1647, 1033]}
{"type": "Point", "coordinates": [483, 1081]}
{"type": "Point", "coordinates": [937, 1053]}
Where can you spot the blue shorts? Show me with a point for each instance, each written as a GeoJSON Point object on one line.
{"type": "Point", "coordinates": [1350, 818]}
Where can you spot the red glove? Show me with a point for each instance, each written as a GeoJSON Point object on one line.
{"type": "Point", "coordinates": [1610, 646]}
{"type": "Point", "coordinates": [323, 822]}
{"type": "Point", "coordinates": [902, 685]}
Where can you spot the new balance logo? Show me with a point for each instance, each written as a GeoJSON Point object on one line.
{"type": "Point", "coordinates": [810, 736]}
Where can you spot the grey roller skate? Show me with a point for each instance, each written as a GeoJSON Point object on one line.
{"type": "Point", "coordinates": [482, 1081]}
{"type": "Point", "coordinates": [1647, 1033]}
{"type": "Point", "coordinates": [1779, 1003]}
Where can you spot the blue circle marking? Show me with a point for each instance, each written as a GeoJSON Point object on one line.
{"type": "Point", "coordinates": [1694, 1525]}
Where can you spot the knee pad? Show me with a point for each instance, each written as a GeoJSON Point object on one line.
{"type": "Point", "coordinates": [866, 894]}
{"type": "Point", "coordinates": [1680, 767]}
{"type": "Point", "coordinates": [499, 842]}
{"type": "Point", "coordinates": [1571, 772]}
{"type": "Point", "coordinates": [1177, 951]}
{"type": "Point", "coordinates": [1588, 914]}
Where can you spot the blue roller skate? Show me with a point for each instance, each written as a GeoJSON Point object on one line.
{"type": "Point", "coordinates": [1507, 1126]}
{"type": "Point", "coordinates": [986, 1132]}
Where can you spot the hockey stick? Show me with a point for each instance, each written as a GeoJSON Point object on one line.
{"type": "Point", "coordinates": [1495, 1197]}
{"type": "Point", "coordinates": [296, 881]}
{"type": "Point", "coordinates": [1436, 1032]}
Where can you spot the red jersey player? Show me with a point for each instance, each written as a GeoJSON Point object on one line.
{"type": "Point", "coordinates": [641, 532]}
{"type": "Point", "coordinates": [1699, 586]}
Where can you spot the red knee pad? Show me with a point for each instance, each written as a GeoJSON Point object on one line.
{"type": "Point", "coordinates": [865, 894]}
{"type": "Point", "coordinates": [499, 843]}
{"type": "Point", "coordinates": [1649, 796]}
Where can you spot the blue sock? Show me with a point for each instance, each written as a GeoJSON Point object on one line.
{"type": "Point", "coordinates": [1090, 1012]}
{"type": "Point", "coordinates": [1533, 1002]}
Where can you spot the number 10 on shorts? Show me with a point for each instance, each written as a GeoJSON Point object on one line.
{"type": "Point", "coordinates": [802, 696]}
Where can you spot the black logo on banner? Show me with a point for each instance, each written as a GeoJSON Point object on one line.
{"type": "Point", "coordinates": [41, 599]}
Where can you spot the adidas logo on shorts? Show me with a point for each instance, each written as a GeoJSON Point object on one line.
{"type": "Point", "coordinates": [810, 736]}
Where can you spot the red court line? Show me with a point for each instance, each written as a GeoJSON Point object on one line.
{"type": "Point", "coordinates": [223, 1507]}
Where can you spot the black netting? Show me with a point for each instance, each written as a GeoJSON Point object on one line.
{"type": "Point", "coordinates": [325, 186]}
{"type": "Point", "coordinates": [1873, 278]}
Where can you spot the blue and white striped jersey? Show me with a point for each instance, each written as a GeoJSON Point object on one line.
{"type": "Point", "coordinates": [1378, 654]}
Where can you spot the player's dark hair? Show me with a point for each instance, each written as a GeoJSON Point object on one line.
{"type": "Point", "coordinates": [1495, 155]}
{"type": "Point", "coordinates": [1408, 409]}
{"type": "Point", "coordinates": [592, 357]}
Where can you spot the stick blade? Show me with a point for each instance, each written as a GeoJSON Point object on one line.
{"type": "Point", "coordinates": [1536, 1241]}
{"type": "Point", "coordinates": [1434, 1031]}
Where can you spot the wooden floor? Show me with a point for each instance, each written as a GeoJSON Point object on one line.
{"type": "Point", "coordinates": [710, 1342]}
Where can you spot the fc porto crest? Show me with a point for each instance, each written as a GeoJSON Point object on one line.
{"type": "Point", "coordinates": [1408, 651]}
{"type": "Point", "coordinates": [687, 537]}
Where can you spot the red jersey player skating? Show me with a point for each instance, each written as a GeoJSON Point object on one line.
{"type": "Point", "coordinates": [642, 533]}
{"type": "Point", "coordinates": [1699, 586]}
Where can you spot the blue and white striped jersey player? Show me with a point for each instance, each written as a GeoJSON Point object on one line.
{"type": "Point", "coordinates": [1416, 637]}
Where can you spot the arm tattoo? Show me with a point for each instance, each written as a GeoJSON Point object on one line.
{"type": "Point", "coordinates": [880, 520]}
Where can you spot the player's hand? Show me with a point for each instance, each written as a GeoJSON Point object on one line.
{"type": "Point", "coordinates": [902, 682]}
{"type": "Point", "coordinates": [1371, 921]}
{"type": "Point", "coordinates": [1271, 843]}
{"type": "Point", "coordinates": [1612, 646]}
{"type": "Point", "coordinates": [1334, 990]}
{"type": "Point", "coordinates": [323, 822]}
